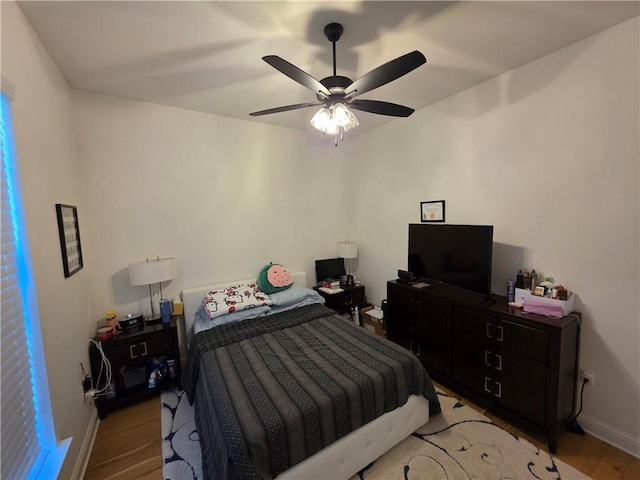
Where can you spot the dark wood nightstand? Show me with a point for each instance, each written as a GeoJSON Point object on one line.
{"type": "Point", "coordinates": [346, 301]}
{"type": "Point", "coordinates": [130, 355]}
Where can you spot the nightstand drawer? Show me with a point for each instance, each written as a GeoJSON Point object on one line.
{"type": "Point", "coordinates": [344, 301]}
{"type": "Point", "coordinates": [140, 348]}
{"type": "Point", "coordinates": [351, 298]}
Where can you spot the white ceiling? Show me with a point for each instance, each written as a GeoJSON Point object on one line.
{"type": "Point", "coordinates": [206, 56]}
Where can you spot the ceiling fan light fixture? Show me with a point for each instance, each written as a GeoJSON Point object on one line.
{"type": "Point", "coordinates": [332, 120]}
{"type": "Point", "coordinates": [344, 117]}
{"type": "Point", "coordinates": [322, 119]}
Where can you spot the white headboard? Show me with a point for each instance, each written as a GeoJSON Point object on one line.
{"type": "Point", "coordinates": [192, 298]}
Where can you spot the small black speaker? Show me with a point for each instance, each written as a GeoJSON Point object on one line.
{"type": "Point", "coordinates": [405, 276]}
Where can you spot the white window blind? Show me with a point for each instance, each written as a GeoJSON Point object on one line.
{"type": "Point", "coordinates": [29, 448]}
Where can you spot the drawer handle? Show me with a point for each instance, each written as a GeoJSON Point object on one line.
{"type": "Point", "coordinates": [132, 351]}
{"type": "Point", "coordinates": [500, 336]}
{"type": "Point", "coordinates": [486, 358]}
{"type": "Point", "coordinates": [499, 365]}
{"type": "Point", "coordinates": [144, 344]}
{"type": "Point", "coordinates": [489, 333]}
{"type": "Point", "coordinates": [486, 384]}
{"type": "Point", "coordinates": [348, 299]}
{"type": "Point", "coordinates": [498, 390]}
{"type": "Point", "coordinates": [414, 347]}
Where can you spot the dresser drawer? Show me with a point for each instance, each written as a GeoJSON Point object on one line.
{"type": "Point", "coordinates": [531, 342]}
{"type": "Point", "coordinates": [474, 324]}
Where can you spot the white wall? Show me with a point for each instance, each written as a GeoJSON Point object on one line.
{"type": "Point", "coordinates": [50, 173]}
{"type": "Point", "coordinates": [548, 154]}
{"type": "Point", "coordinates": [224, 196]}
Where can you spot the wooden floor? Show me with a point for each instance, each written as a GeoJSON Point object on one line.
{"type": "Point", "coordinates": [128, 446]}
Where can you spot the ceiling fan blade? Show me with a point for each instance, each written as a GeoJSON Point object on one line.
{"type": "Point", "coordinates": [286, 108]}
{"type": "Point", "coordinates": [381, 108]}
{"type": "Point", "coordinates": [300, 76]}
{"type": "Point", "coordinates": [386, 73]}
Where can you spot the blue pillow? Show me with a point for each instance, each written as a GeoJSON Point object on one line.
{"type": "Point", "coordinates": [295, 296]}
{"type": "Point", "coordinates": [203, 322]}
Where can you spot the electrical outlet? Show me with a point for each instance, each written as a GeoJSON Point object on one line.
{"type": "Point", "coordinates": [588, 377]}
{"type": "Point", "coordinates": [86, 384]}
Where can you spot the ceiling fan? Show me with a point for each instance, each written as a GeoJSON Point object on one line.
{"type": "Point", "coordinates": [336, 94]}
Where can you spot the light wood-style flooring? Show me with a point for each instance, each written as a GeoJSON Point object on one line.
{"type": "Point", "coordinates": [128, 446]}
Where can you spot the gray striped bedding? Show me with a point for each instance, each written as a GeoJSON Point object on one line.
{"type": "Point", "coordinates": [272, 391]}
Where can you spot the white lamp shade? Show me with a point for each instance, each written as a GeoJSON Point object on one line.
{"type": "Point", "coordinates": [347, 250]}
{"type": "Point", "coordinates": [152, 271]}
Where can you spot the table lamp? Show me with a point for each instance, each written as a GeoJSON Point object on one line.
{"type": "Point", "coordinates": [151, 272]}
{"type": "Point", "coordinates": [348, 250]}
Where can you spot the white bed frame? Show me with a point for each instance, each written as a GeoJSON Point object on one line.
{"type": "Point", "coordinates": [350, 454]}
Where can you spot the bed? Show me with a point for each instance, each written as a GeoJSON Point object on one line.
{"type": "Point", "coordinates": [298, 394]}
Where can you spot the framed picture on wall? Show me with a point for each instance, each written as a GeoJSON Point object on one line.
{"type": "Point", "coordinates": [432, 211]}
{"type": "Point", "coordinates": [69, 231]}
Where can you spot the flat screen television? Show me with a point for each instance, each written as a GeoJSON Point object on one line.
{"type": "Point", "coordinates": [457, 255]}
{"type": "Point", "coordinates": [329, 269]}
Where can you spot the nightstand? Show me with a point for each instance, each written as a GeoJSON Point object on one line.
{"type": "Point", "coordinates": [130, 355]}
{"type": "Point", "coordinates": [346, 301]}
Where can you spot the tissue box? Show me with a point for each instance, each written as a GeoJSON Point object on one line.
{"type": "Point", "coordinates": [550, 307]}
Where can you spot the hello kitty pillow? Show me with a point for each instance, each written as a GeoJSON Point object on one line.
{"type": "Point", "coordinates": [274, 278]}
{"type": "Point", "coordinates": [234, 299]}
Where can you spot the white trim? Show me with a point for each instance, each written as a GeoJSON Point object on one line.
{"type": "Point", "coordinates": [8, 87]}
{"type": "Point", "coordinates": [613, 436]}
{"type": "Point", "coordinates": [84, 455]}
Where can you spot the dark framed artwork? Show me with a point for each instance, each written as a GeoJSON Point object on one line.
{"type": "Point", "coordinates": [69, 231]}
{"type": "Point", "coordinates": [432, 211]}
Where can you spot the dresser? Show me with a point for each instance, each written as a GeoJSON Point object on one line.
{"type": "Point", "coordinates": [520, 366]}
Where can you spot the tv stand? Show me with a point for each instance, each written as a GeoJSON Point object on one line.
{"type": "Point", "coordinates": [522, 367]}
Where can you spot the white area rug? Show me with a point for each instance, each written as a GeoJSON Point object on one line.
{"type": "Point", "coordinates": [458, 444]}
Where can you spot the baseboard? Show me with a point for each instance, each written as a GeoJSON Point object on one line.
{"type": "Point", "coordinates": [618, 439]}
{"type": "Point", "coordinates": [87, 446]}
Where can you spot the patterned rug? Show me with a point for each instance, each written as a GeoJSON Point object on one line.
{"type": "Point", "coordinates": [458, 444]}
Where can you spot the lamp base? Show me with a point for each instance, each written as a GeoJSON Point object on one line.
{"type": "Point", "coordinates": [152, 320]}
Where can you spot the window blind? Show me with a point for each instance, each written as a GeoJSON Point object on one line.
{"type": "Point", "coordinates": [21, 447]}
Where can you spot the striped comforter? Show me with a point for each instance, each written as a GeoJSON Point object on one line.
{"type": "Point", "coordinates": [272, 391]}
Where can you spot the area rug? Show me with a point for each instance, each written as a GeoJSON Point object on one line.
{"type": "Point", "coordinates": [458, 444]}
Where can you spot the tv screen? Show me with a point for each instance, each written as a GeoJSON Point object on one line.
{"type": "Point", "coordinates": [458, 255]}
{"type": "Point", "coordinates": [329, 269]}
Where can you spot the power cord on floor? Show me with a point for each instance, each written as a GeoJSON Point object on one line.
{"type": "Point", "coordinates": [573, 426]}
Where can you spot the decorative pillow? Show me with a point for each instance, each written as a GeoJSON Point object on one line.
{"type": "Point", "coordinates": [274, 278]}
{"type": "Point", "coordinates": [234, 298]}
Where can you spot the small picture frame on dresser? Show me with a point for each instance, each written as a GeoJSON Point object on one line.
{"type": "Point", "coordinates": [432, 211]}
